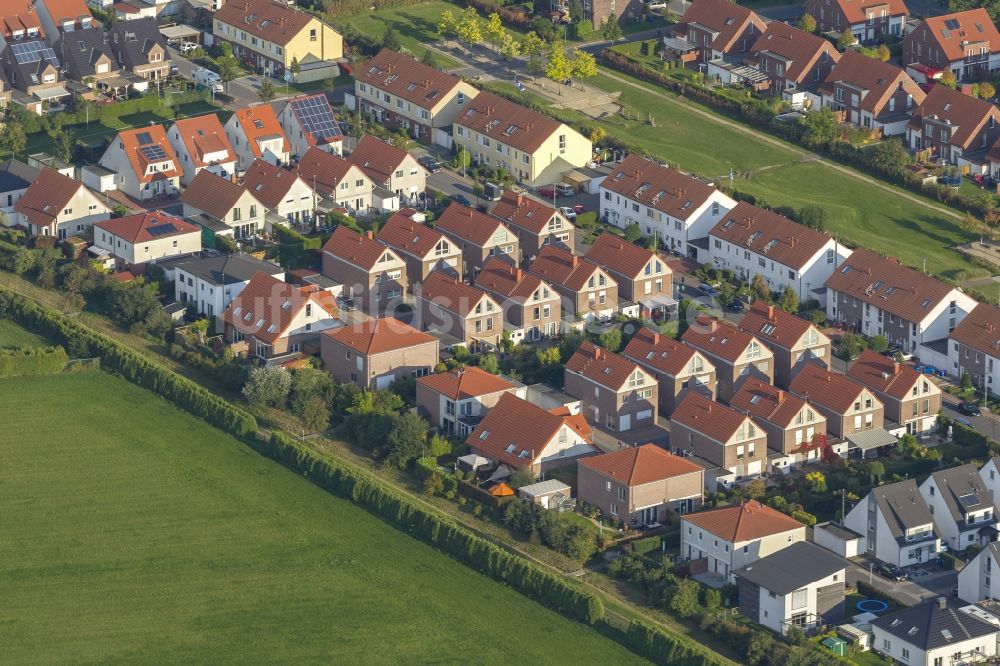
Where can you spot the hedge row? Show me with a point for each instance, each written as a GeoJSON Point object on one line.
{"type": "Point", "coordinates": [386, 503]}
{"type": "Point", "coordinates": [115, 356]}
{"type": "Point", "coordinates": [662, 648]}
{"type": "Point", "coordinates": [478, 494]}
{"type": "Point", "coordinates": [647, 545]}
{"type": "Point", "coordinates": [26, 361]}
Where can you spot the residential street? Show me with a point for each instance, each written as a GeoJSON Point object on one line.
{"type": "Point", "coordinates": [908, 591]}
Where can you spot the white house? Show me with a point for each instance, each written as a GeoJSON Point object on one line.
{"type": "Point", "coordinates": [880, 296]}
{"type": "Point", "coordinates": [144, 237]}
{"type": "Point", "coordinates": [990, 474]}
{"type": "Point", "coordinates": [282, 192]}
{"type": "Point", "coordinates": [223, 206]}
{"type": "Point", "coordinates": [974, 348]}
{"type": "Point", "coordinates": [753, 241]}
{"type": "Point", "coordinates": [209, 284]}
{"type": "Point", "coordinates": [201, 144]}
{"type": "Point", "coordinates": [15, 177]}
{"type": "Point", "coordinates": [390, 167]}
{"type": "Point", "coordinates": [798, 586]}
{"type": "Point", "coordinates": [933, 633]}
{"type": "Point", "coordinates": [675, 207]}
{"type": "Point", "coordinates": [144, 162]}
{"type": "Point", "coordinates": [726, 539]}
{"type": "Point", "coordinates": [896, 523]}
{"type": "Point", "coordinates": [963, 510]}
{"type": "Point", "coordinates": [336, 179]}
{"type": "Point", "coordinates": [54, 205]}
{"type": "Point", "coordinates": [309, 121]}
{"type": "Point", "coordinates": [255, 133]}
{"type": "Point", "coordinates": [976, 580]}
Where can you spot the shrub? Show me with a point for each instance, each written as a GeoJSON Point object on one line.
{"type": "Point", "coordinates": [647, 545]}
{"type": "Point", "coordinates": [27, 361]}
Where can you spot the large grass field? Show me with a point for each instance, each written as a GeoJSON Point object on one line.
{"type": "Point", "coordinates": [858, 211]}
{"type": "Point", "coordinates": [415, 25]}
{"type": "Point", "coordinates": [131, 532]}
{"type": "Point", "coordinates": [12, 335]}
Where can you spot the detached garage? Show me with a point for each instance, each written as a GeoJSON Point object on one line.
{"type": "Point", "coordinates": [838, 539]}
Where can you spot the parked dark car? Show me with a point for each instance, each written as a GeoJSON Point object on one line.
{"type": "Point", "coordinates": [969, 408]}
{"type": "Point", "coordinates": [461, 199]}
{"type": "Point", "coordinates": [429, 163]}
{"type": "Point", "coordinates": [708, 289]}
{"type": "Point", "coordinates": [890, 572]}
{"type": "Point", "coordinates": [736, 305]}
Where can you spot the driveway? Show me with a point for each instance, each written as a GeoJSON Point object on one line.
{"type": "Point", "coordinates": [925, 583]}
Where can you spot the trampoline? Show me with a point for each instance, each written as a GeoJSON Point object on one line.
{"type": "Point", "coordinates": [872, 606]}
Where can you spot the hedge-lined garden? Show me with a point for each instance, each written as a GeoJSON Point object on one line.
{"type": "Point", "coordinates": [28, 361]}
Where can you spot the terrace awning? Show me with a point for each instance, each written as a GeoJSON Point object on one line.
{"type": "Point", "coordinates": [661, 301]}
{"type": "Point", "coordinates": [55, 92]}
{"type": "Point", "coordinates": [679, 44]}
{"type": "Point", "coordinates": [871, 439]}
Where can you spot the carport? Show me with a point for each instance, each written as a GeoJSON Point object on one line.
{"type": "Point", "coordinates": [180, 33]}
{"type": "Point", "coordinates": [870, 440]}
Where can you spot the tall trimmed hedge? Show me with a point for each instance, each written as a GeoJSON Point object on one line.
{"type": "Point", "coordinates": [380, 499]}
{"type": "Point", "coordinates": [134, 367]}
{"type": "Point", "coordinates": [26, 361]}
{"type": "Point", "coordinates": [662, 648]}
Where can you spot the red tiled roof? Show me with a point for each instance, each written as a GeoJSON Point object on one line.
{"type": "Point", "coordinates": [509, 123]}
{"type": "Point", "coordinates": [656, 186]}
{"type": "Point", "coordinates": [376, 336]}
{"type": "Point", "coordinates": [263, 115]}
{"type": "Point", "coordinates": [622, 257]}
{"type": "Point", "coordinates": [884, 375]}
{"type": "Point", "coordinates": [269, 183]}
{"type": "Point", "coordinates": [769, 234]}
{"type": "Point", "coordinates": [888, 285]}
{"type": "Point", "coordinates": [267, 306]}
{"type": "Point", "coordinates": [966, 113]}
{"type": "Point", "coordinates": [403, 234]}
{"type": "Point", "coordinates": [638, 465]}
{"type": "Point", "coordinates": [46, 197]}
{"type": "Point", "coordinates": [830, 389]}
{"type": "Point", "coordinates": [877, 80]}
{"type": "Point", "coordinates": [213, 194]}
{"type": "Point", "coordinates": [799, 48]}
{"type": "Point", "coordinates": [710, 418]}
{"type": "Point", "coordinates": [355, 248]}
{"type": "Point", "coordinates": [504, 428]}
{"type": "Point", "coordinates": [772, 324]}
{"type": "Point", "coordinates": [526, 213]}
{"type": "Point", "coordinates": [604, 367]}
{"type": "Point", "coordinates": [469, 224]}
{"type": "Point", "coordinates": [448, 293]}
{"type": "Point", "coordinates": [980, 330]}
{"type": "Point", "coordinates": [68, 10]}
{"type": "Point", "coordinates": [559, 266]}
{"type": "Point", "coordinates": [661, 352]}
{"type": "Point", "coordinates": [723, 17]}
{"type": "Point", "coordinates": [378, 159]}
{"type": "Point", "coordinates": [973, 26]}
{"type": "Point", "coordinates": [203, 135]}
{"type": "Point", "coordinates": [417, 83]}
{"type": "Point", "coordinates": [136, 228]}
{"type": "Point", "coordinates": [463, 383]}
{"type": "Point", "coordinates": [19, 15]}
{"type": "Point", "coordinates": [271, 21]}
{"type": "Point", "coordinates": [150, 135]}
{"type": "Point", "coordinates": [498, 276]}
{"type": "Point", "coordinates": [743, 522]}
{"type": "Point", "coordinates": [769, 403]}
{"type": "Point", "coordinates": [856, 11]}
{"type": "Point", "coordinates": [325, 170]}
{"type": "Point", "coordinates": [720, 339]}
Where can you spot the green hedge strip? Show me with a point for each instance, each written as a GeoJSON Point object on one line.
{"type": "Point", "coordinates": [27, 361]}
{"type": "Point", "coordinates": [136, 368]}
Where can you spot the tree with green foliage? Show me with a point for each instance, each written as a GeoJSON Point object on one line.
{"type": "Point", "coordinates": [875, 471]}
{"type": "Point", "coordinates": [268, 386]}
{"type": "Point", "coordinates": [522, 477]}
{"type": "Point", "coordinates": [807, 23]}
{"type": "Point", "coordinates": [315, 415]}
{"type": "Point", "coordinates": [266, 93]}
{"type": "Point", "coordinates": [63, 141]}
{"type": "Point", "coordinates": [712, 598]}
{"type": "Point", "coordinates": [428, 58]}
{"type": "Point", "coordinates": [987, 91]}
{"type": "Point", "coordinates": [851, 345]}
{"type": "Point", "coordinates": [582, 65]}
{"type": "Point", "coordinates": [759, 648]}
{"type": "Point", "coordinates": [878, 344]}
{"type": "Point", "coordinates": [789, 301]}
{"type": "Point", "coordinates": [756, 489]}
{"type": "Point", "coordinates": [229, 69]}
{"type": "Point", "coordinates": [390, 40]}
{"type": "Point", "coordinates": [310, 384]}
{"type": "Point", "coordinates": [611, 29]}
{"type": "Point", "coordinates": [13, 138]}
{"type": "Point", "coordinates": [633, 232]}
{"type": "Point", "coordinates": [891, 156]}
{"type": "Point", "coordinates": [846, 39]}
{"type": "Point", "coordinates": [489, 363]}
{"type": "Point", "coordinates": [813, 217]}
{"type": "Point", "coordinates": [469, 28]}
{"type": "Point", "coordinates": [966, 381]}
{"type": "Point", "coordinates": [295, 68]}
{"type": "Point", "coordinates": [685, 598]}
{"type": "Point", "coordinates": [406, 440]}
{"type": "Point", "coordinates": [611, 339]}
{"type": "Point", "coordinates": [462, 160]}
{"type": "Point", "coordinates": [509, 48]}
{"type": "Point", "coordinates": [438, 446]}
{"type": "Point", "coordinates": [447, 25]}
{"type": "Point", "coordinates": [532, 46]}
{"type": "Point", "coordinates": [816, 481]}
{"type": "Point", "coordinates": [493, 30]}
{"type": "Point", "coordinates": [760, 289]}
{"type": "Point", "coordinates": [558, 66]}
{"type": "Point", "coordinates": [821, 127]}
{"type": "Point", "coordinates": [948, 79]}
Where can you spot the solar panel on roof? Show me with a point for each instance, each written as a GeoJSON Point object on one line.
{"type": "Point", "coordinates": [144, 138]}
{"type": "Point", "coordinates": [161, 229]}
{"type": "Point", "coordinates": [316, 117]}
{"type": "Point", "coordinates": [968, 500]}
{"type": "Point", "coordinates": [153, 153]}
{"type": "Point", "coordinates": [28, 52]}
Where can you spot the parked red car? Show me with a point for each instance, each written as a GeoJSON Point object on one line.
{"type": "Point", "coordinates": [547, 191]}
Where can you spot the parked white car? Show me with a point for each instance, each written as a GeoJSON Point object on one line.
{"type": "Point", "coordinates": [186, 47]}
{"type": "Point", "coordinates": [568, 213]}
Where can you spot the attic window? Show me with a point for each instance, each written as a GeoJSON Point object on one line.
{"type": "Point", "coordinates": [947, 106]}
{"type": "Point", "coordinates": [510, 130]}
{"type": "Point", "coordinates": [265, 23]}
{"type": "Point", "coordinates": [878, 285]}
{"type": "Point", "coordinates": [411, 87]}
{"type": "Point", "coordinates": [392, 78]}
{"type": "Point", "coordinates": [729, 21]}
{"type": "Point", "coordinates": [754, 236]}
{"type": "Point", "coordinates": [755, 399]}
{"type": "Point", "coordinates": [896, 622]}
{"type": "Point", "coordinates": [890, 291]}
{"type": "Point", "coordinates": [510, 447]}
{"type": "Point", "coordinates": [845, 270]}
{"type": "Point", "coordinates": [523, 455]}
{"type": "Point", "coordinates": [260, 322]}
{"type": "Point", "coordinates": [728, 224]}
{"type": "Point", "coordinates": [373, 70]}
{"type": "Point", "coordinates": [925, 304]}
{"type": "Point", "coordinates": [767, 329]}
{"type": "Point", "coordinates": [237, 310]}
{"type": "Point", "coordinates": [946, 634]}
{"type": "Point", "coordinates": [770, 245]}
{"type": "Point", "coordinates": [258, 187]}
{"type": "Point", "coordinates": [687, 204]}
{"type": "Point", "coordinates": [913, 631]}
{"type": "Point", "coordinates": [248, 317]}
{"type": "Point", "coordinates": [272, 328]}
{"type": "Point", "coordinates": [258, 123]}
{"type": "Point", "coordinates": [650, 355]}
{"type": "Point", "coordinates": [484, 434]}
{"type": "Point", "coordinates": [619, 175]}
{"type": "Point", "coordinates": [287, 304]}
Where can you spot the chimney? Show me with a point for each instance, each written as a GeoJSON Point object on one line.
{"type": "Point", "coordinates": [656, 338]}
{"type": "Point", "coordinates": [770, 312]}
{"type": "Point", "coordinates": [896, 368]}
{"type": "Point", "coordinates": [520, 200]}
{"type": "Point", "coordinates": [781, 396]}
{"type": "Point", "coordinates": [713, 325]}
{"type": "Point", "coordinates": [942, 602]}
{"type": "Point", "coordinates": [575, 260]}
{"type": "Point", "coordinates": [597, 353]}
{"type": "Point", "coordinates": [369, 235]}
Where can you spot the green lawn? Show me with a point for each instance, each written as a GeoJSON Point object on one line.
{"type": "Point", "coordinates": [12, 335]}
{"type": "Point", "coordinates": [134, 533]}
{"type": "Point", "coordinates": [416, 25]}
{"type": "Point", "coordinates": [858, 211]}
